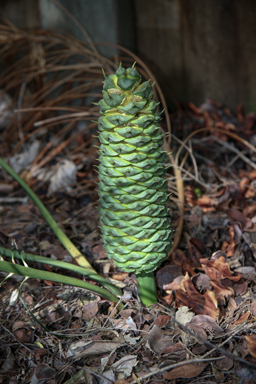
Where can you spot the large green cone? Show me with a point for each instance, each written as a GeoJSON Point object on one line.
{"type": "Point", "coordinates": [133, 191]}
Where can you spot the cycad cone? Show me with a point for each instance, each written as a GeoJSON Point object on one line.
{"type": "Point", "coordinates": [133, 191]}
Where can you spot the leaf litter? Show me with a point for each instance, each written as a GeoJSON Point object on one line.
{"type": "Point", "coordinates": [203, 329]}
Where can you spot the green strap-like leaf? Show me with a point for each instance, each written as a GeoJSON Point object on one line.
{"type": "Point", "coordinates": [44, 275]}
{"type": "Point", "coordinates": [61, 264]}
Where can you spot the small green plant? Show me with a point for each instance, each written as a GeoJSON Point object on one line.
{"type": "Point", "coordinates": [135, 222]}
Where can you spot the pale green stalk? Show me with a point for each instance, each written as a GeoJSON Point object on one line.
{"type": "Point", "coordinates": [61, 264]}
{"type": "Point", "coordinates": [44, 275]}
{"type": "Point", "coordinates": [147, 288]}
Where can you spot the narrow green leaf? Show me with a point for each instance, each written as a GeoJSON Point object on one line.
{"type": "Point", "coordinates": [44, 275]}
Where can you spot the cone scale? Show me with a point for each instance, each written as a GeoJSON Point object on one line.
{"type": "Point", "coordinates": [135, 224]}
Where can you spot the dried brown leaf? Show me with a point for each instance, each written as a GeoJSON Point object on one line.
{"type": "Point", "coordinates": [156, 340]}
{"type": "Point", "coordinates": [224, 364]}
{"type": "Point", "coordinates": [186, 372]}
{"type": "Point", "coordinates": [22, 331]}
{"type": "Point", "coordinates": [174, 348]}
{"type": "Point", "coordinates": [90, 310]}
{"type": "Point", "coordinates": [161, 320]}
{"type": "Point", "coordinates": [251, 345]}
{"type": "Point", "coordinates": [222, 292]}
{"type": "Point", "coordinates": [197, 330]}
{"type": "Point", "coordinates": [194, 253]}
{"type": "Point", "coordinates": [218, 269]}
{"type": "Point", "coordinates": [205, 304]}
{"type": "Point", "coordinates": [235, 236]}
{"type": "Point", "coordinates": [85, 348]}
{"type": "Point", "coordinates": [198, 244]}
{"type": "Point", "coordinates": [167, 274]}
{"type": "Point", "coordinates": [202, 282]}
{"type": "Point", "coordinates": [253, 308]}
{"type": "Point", "coordinates": [242, 318]}
{"type": "Point", "coordinates": [179, 258]}
{"type": "Point", "coordinates": [125, 365]}
{"type": "Point", "coordinates": [206, 322]}
{"type": "Point", "coordinates": [42, 372]}
{"type": "Point", "coordinates": [240, 287]}
{"type": "Point", "coordinates": [238, 216]}
{"type": "Point", "coordinates": [248, 273]}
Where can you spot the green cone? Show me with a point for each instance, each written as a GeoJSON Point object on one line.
{"type": "Point", "coordinates": [132, 189]}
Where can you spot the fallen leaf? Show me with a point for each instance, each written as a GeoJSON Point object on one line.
{"type": "Point", "coordinates": [39, 354]}
{"type": "Point", "coordinates": [186, 294]}
{"type": "Point", "coordinates": [218, 269]}
{"type": "Point", "coordinates": [240, 287]}
{"type": "Point", "coordinates": [250, 210]}
{"type": "Point", "coordinates": [242, 318]}
{"type": "Point", "coordinates": [246, 272]}
{"type": "Point", "coordinates": [90, 310]}
{"type": "Point", "coordinates": [238, 216]}
{"type": "Point", "coordinates": [197, 330]}
{"type": "Point", "coordinates": [60, 176]}
{"type": "Point", "coordinates": [124, 324]}
{"type": "Point", "coordinates": [235, 236]}
{"type": "Point", "coordinates": [14, 297]}
{"type": "Point", "coordinates": [22, 160]}
{"type": "Point", "coordinates": [42, 372]}
{"type": "Point", "coordinates": [9, 362]}
{"type": "Point", "coordinates": [221, 292]}
{"type": "Point", "coordinates": [167, 274]}
{"type": "Point", "coordinates": [120, 276]}
{"type": "Point", "coordinates": [107, 377]}
{"type": "Point", "coordinates": [243, 186]}
{"type": "Point", "coordinates": [224, 364]}
{"type": "Point", "coordinates": [194, 253]}
{"type": "Point", "coordinates": [176, 284]}
{"type": "Point", "coordinates": [169, 299]}
{"type": "Point", "coordinates": [184, 315]}
{"type": "Point", "coordinates": [216, 255]}
{"type": "Point", "coordinates": [202, 282]}
{"type": "Point", "coordinates": [251, 345]}
{"type": "Point", "coordinates": [82, 348]}
{"type": "Point", "coordinates": [22, 331]}
{"type": "Point", "coordinates": [125, 313]}
{"type": "Point", "coordinates": [186, 371]}
{"type": "Point", "coordinates": [179, 258]}
{"type": "Point", "coordinates": [232, 307]}
{"type": "Point", "coordinates": [131, 340]}
{"type": "Point", "coordinates": [161, 320]}
{"type": "Point", "coordinates": [125, 365]}
{"type": "Point", "coordinates": [253, 308]}
{"type": "Point", "coordinates": [206, 200]}
{"type": "Point", "coordinates": [199, 349]}
{"type": "Point", "coordinates": [174, 348]}
{"type": "Point", "coordinates": [206, 322]}
{"type": "Point", "coordinates": [198, 244]}
{"type": "Point", "coordinates": [250, 193]}
{"type": "Point", "coordinates": [156, 340]}
{"type": "Point", "coordinates": [245, 372]}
